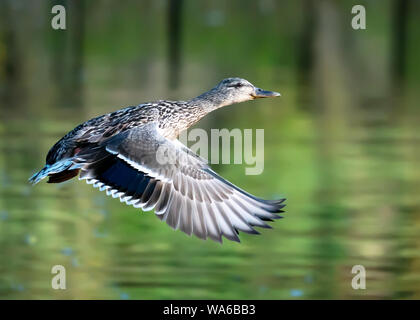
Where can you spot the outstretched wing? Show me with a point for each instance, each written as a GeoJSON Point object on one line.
{"type": "Point", "coordinates": [146, 170]}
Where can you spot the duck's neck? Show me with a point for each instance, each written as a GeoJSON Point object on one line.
{"type": "Point", "coordinates": [210, 100]}
{"type": "Point", "coordinates": [194, 111]}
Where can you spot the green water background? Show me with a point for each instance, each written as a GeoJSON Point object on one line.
{"type": "Point", "coordinates": [342, 144]}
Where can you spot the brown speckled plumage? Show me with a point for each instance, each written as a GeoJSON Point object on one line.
{"type": "Point", "coordinates": [172, 117]}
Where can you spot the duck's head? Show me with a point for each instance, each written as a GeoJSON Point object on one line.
{"type": "Point", "coordinates": [235, 90]}
{"type": "Point", "coordinates": [230, 91]}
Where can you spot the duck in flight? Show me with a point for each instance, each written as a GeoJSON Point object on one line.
{"type": "Point", "coordinates": [119, 153]}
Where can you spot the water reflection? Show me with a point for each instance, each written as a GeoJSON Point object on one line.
{"type": "Point", "coordinates": [342, 151]}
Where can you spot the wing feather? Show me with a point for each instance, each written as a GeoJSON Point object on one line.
{"type": "Point", "coordinates": [185, 193]}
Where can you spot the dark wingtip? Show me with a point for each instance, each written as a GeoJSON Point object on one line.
{"type": "Point", "coordinates": [265, 226]}
{"type": "Point", "coordinates": [277, 217]}
{"type": "Point", "coordinates": [274, 202]}
{"type": "Point", "coordinates": [232, 238]}
{"type": "Point", "coordinates": [276, 205]}
{"type": "Point", "coordinates": [252, 232]}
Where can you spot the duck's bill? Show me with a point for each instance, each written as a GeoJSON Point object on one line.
{"type": "Point", "coordinates": [260, 93]}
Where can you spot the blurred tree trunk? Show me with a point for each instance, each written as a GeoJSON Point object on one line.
{"type": "Point", "coordinates": [398, 58]}
{"type": "Point", "coordinates": [306, 42]}
{"type": "Point", "coordinates": [77, 18]}
{"type": "Point", "coordinates": [10, 57]}
{"type": "Point", "coordinates": [58, 48]}
{"type": "Point", "coordinates": [174, 42]}
{"type": "Point", "coordinates": [68, 55]}
{"type": "Point", "coordinates": [305, 53]}
{"type": "Point", "coordinates": [399, 41]}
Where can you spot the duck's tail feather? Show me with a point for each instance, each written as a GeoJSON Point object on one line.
{"type": "Point", "coordinates": [63, 176]}
{"type": "Point", "coordinates": [58, 172]}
